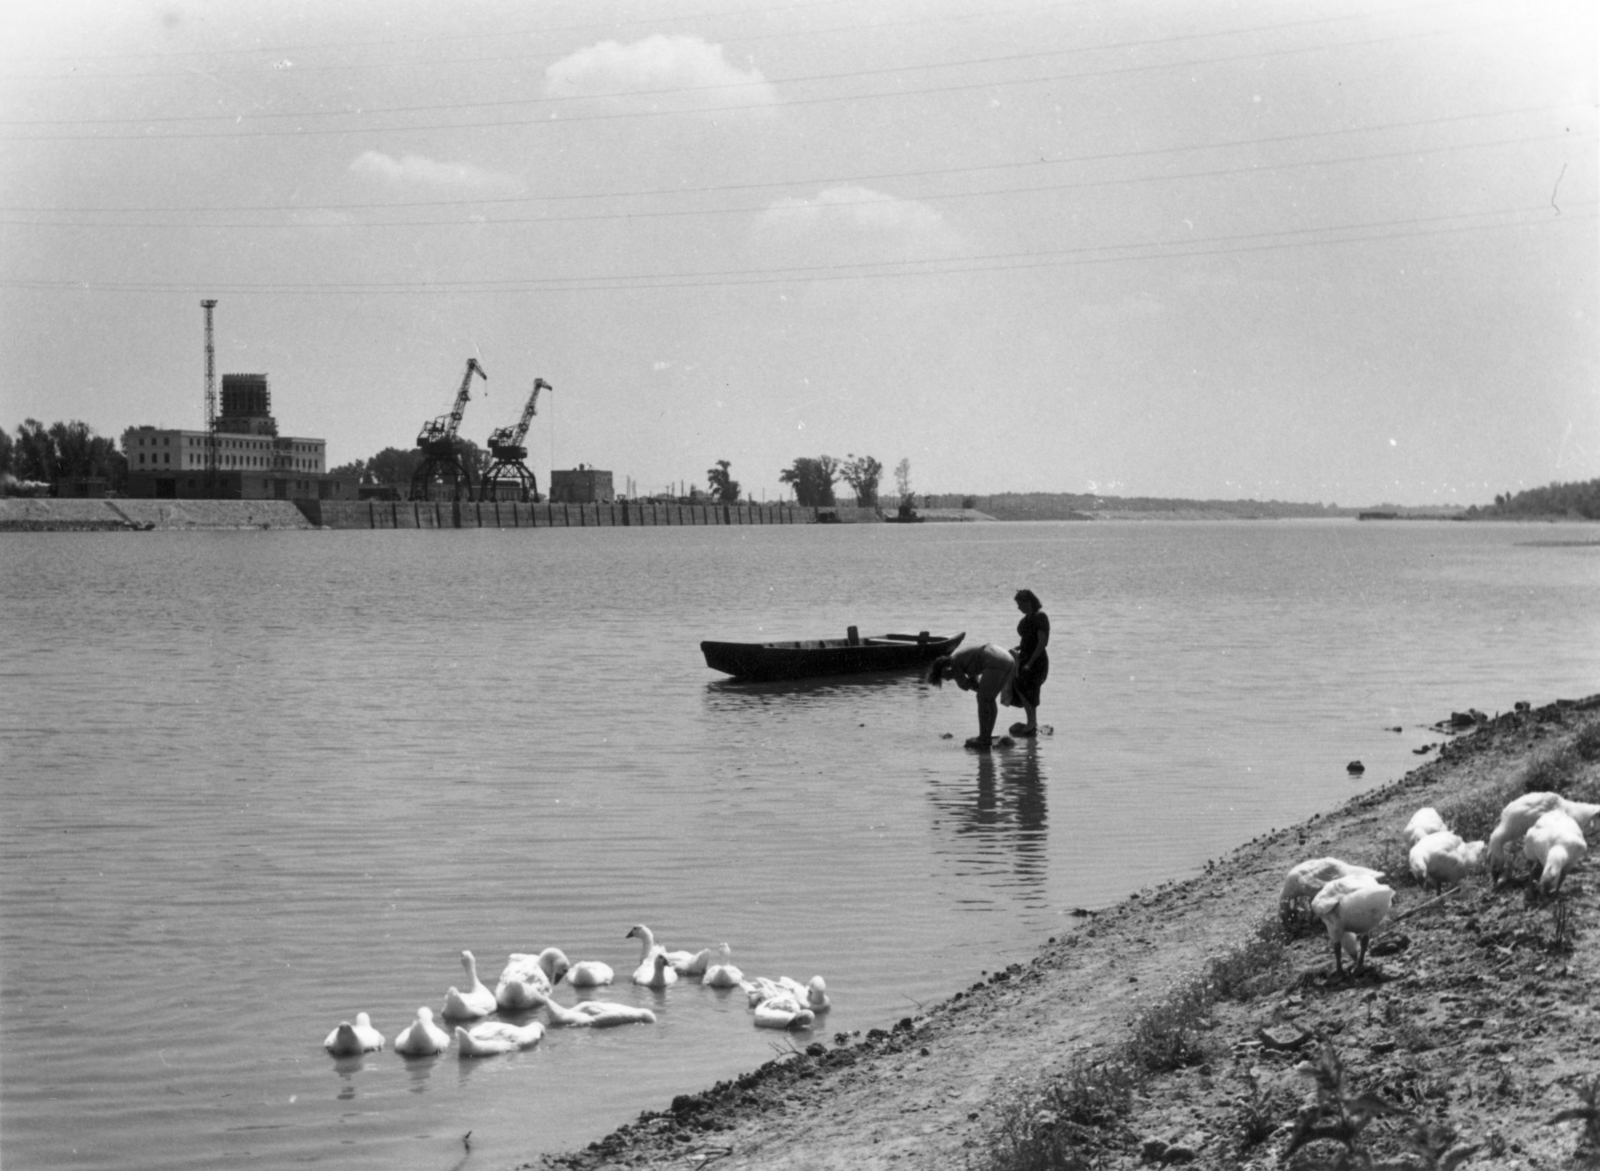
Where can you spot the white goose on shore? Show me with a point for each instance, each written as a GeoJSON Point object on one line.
{"type": "Point", "coordinates": [1351, 908]}
{"type": "Point", "coordinates": [1442, 858]}
{"type": "Point", "coordinates": [348, 1040]}
{"type": "Point", "coordinates": [476, 1001]}
{"type": "Point", "coordinates": [1517, 818]}
{"type": "Point", "coordinates": [1423, 822]}
{"type": "Point", "coordinates": [1555, 844]}
{"type": "Point", "coordinates": [1306, 878]}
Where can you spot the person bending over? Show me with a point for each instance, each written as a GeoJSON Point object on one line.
{"type": "Point", "coordinates": [985, 669]}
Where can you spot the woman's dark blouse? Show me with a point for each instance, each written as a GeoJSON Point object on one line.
{"type": "Point", "coordinates": [1029, 631]}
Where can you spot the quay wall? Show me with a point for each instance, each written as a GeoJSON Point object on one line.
{"type": "Point", "coordinates": [504, 514]}
{"type": "Point", "coordinates": [44, 514]}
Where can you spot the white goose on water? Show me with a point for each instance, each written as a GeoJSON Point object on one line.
{"type": "Point", "coordinates": [590, 974]}
{"type": "Point", "coordinates": [599, 1014]}
{"type": "Point", "coordinates": [1351, 908]}
{"type": "Point", "coordinates": [348, 1040]}
{"type": "Point", "coordinates": [1306, 878]}
{"type": "Point", "coordinates": [1442, 858]}
{"type": "Point", "coordinates": [527, 980]}
{"type": "Point", "coordinates": [648, 947]}
{"type": "Point", "coordinates": [783, 1012]}
{"type": "Point", "coordinates": [813, 996]}
{"type": "Point", "coordinates": [1517, 818]}
{"type": "Point", "coordinates": [476, 1001]}
{"type": "Point", "coordinates": [661, 972]}
{"type": "Point", "coordinates": [817, 995]}
{"type": "Point", "coordinates": [1423, 822]}
{"type": "Point", "coordinates": [1555, 844]}
{"type": "Point", "coordinates": [422, 1038]}
{"type": "Point", "coordinates": [491, 1037]}
{"type": "Point", "coordinates": [722, 973]}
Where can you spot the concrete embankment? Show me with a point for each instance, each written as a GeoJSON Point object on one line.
{"type": "Point", "coordinates": [503, 514]}
{"type": "Point", "coordinates": [39, 514]}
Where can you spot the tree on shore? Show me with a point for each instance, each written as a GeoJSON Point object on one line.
{"type": "Point", "coordinates": [862, 474]}
{"type": "Point", "coordinates": [63, 451]}
{"type": "Point", "coordinates": [813, 480]}
{"type": "Point", "coordinates": [1579, 497]}
{"type": "Point", "coordinates": [724, 488]}
{"type": "Point", "coordinates": [902, 480]}
{"type": "Point", "coordinates": [394, 466]}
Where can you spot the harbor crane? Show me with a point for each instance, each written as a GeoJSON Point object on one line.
{"type": "Point", "coordinates": [509, 473]}
{"type": "Point", "coordinates": [441, 462]}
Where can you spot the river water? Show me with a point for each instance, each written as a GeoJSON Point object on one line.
{"type": "Point", "coordinates": [254, 783]}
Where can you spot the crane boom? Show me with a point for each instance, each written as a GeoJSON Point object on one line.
{"type": "Point", "coordinates": [508, 438]}
{"type": "Point", "coordinates": [443, 429]}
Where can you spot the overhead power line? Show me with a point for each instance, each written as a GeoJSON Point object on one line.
{"type": "Point", "coordinates": [1410, 227]}
{"type": "Point", "coordinates": [803, 79]}
{"type": "Point", "coordinates": [477, 222]}
{"type": "Point", "coordinates": [547, 119]}
{"type": "Point", "coordinates": [826, 180]}
{"type": "Point", "coordinates": [274, 53]}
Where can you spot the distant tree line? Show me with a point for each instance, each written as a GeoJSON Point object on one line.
{"type": "Point", "coordinates": [813, 478]}
{"type": "Point", "coordinates": [1073, 505]}
{"type": "Point", "coordinates": [61, 452]}
{"type": "Point", "coordinates": [1579, 498]}
{"type": "Point", "coordinates": [394, 465]}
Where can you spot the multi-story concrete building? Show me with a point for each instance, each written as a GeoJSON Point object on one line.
{"type": "Point", "coordinates": [254, 462]}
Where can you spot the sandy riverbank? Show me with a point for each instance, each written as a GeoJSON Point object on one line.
{"type": "Point", "coordinates": [1168, 1029]}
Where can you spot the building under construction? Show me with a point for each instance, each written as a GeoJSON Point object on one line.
{"type": "Point", "coordinates": [238, 456]}
{"type": "Point", "coordinates": [253, 462]}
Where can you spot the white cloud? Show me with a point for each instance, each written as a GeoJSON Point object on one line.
{"type": "Point", "coordinates": [659, 72]}
{"type": "Point", "coordinates": [414, 170]}
{"type": "Point", "coordinates": [860, 218]}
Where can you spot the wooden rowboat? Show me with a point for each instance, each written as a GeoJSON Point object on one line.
{"type": "Point", "coordinates": [851, 655]}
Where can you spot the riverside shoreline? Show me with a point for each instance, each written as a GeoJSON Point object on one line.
{"type": "Point", "coordinates": [1167, 1029]}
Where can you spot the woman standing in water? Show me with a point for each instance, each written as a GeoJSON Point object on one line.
{"type": "Point", "coordinates": [1033, 661]}
{"type": "Point", "coordinates": [983, 668]}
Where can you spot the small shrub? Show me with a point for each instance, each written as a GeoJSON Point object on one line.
{"type": "Point", "coordinates": [1167, 1036]}
{"type": "Point", "coordinates": [1587, 742]}
{"type": "Point", "coordinates": [1057, 1127]}
{"type": "Point", "coordinates": [1552, 771]}
{"type": "Point", "coordinates": [1255, 967]}
{"type": "Point", "coordinates": [1340, 1115]}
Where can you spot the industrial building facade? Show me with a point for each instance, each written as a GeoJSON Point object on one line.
{"type": "Point", "coordinates": [254, 462]}
{"type": "Point", "coordinates": [583, 485]}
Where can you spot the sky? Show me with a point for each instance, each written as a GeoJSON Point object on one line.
{"type": "Point", "coordinates": [1337, 251]}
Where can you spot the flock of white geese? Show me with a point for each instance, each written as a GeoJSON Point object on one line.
{"type": "Point", "coordinates": [1352, 901]}
{"type": "Point", "coordinates": [528, 983]}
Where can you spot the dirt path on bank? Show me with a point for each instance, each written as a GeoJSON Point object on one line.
{"type": "Point", "coordinates": [1478, 1016]}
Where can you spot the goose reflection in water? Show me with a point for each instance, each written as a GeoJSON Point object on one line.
{"type": "Point", "coordinates": [1004, 810]}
